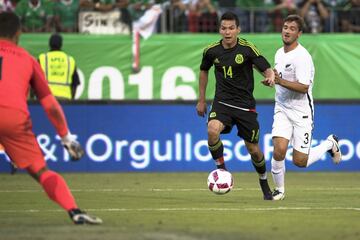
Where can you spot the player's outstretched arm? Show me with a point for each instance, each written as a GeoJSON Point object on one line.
{"type": "Point", "coordinates": [294, 86]}
{"type": "Point", "coordinates": [269, 77]}
{"type": "Point", "coordinates": [58, 120]}
{"type": "Point", "coordinates": [55, 114]}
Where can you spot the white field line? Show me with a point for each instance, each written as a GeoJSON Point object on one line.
{"type": "Point", "coordinates": [176, 189]}
{"type": "Point", "coordinates": [190, 209]}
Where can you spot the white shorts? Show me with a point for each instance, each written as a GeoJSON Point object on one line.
{"type": "Point", "coordinates": [294, 126]}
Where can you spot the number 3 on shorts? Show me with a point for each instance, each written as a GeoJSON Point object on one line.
{"type": "Point", "coordinates": [306, 135]}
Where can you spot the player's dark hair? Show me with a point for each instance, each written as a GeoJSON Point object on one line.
{"type": "Point", "coordinates": [296, 18]}
{"type": "Point", "coordinates": [9, 24]}
{"type": "Point", "coordinates": [55, 42]}
{"type": "Point", "coordinates": [230, 16]}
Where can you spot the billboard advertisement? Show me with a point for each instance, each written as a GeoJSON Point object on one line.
{"type": "Point", "coordinates": [124, 137]}
{"type": "Point", "coordinates": [170, 64]}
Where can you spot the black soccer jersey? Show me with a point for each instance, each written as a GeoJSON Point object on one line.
{"type": "Point", "coordinates": [234, 72]}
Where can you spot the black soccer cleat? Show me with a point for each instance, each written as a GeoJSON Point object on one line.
{"type": "Point", "coordinates": [81, 217]}
{"type": "Point", "coordinates": [265, 189]}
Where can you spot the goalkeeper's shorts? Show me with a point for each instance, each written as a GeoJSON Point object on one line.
{"type": "Point", "coordinates": [18, 139]}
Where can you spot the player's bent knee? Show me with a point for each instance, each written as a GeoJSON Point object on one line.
{"type": "Point", "coordinates": [300, 162]}
{"type": "Point", "coordinates": [300, 159]}
{"type": "Point", "coordinates": [253, 151]}
{"type": "Point", "coordinates": [279, 156]}
{"type": "Point", "coordinates": [213, 131]}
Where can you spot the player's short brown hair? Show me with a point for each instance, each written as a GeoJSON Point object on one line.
{"type": "Point", "coordinates": [9, 24]}
{"type": "Point", "coordinates": [296, 18]}
{"type": "Point", "coordinates": [230, 16]}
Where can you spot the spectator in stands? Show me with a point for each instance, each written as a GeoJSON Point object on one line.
{"type": "Point", "coordinates": [253, 14]}
{"type": "Point", "coordinates": [350, 17]}
{"type": "Point", "coordinates": [60, 70]}
{"type": "Point", "coordinates": [66, 14]}
{"type": "Point", "coordinates": [202, 16]}
{"type": "Point", "coordinates": [138, 8]}
{"type": "Point", "coordinates": [316, 15]}
{"type": "Point", "coordinates": [97, 5]}
{"type": "Point", "coordinates": [86, 5]}
{"type": "Point", "coordinates": [7, 6]}
{"type": "Point", "coordinates": [125, 15]}
{"type": "Point", "coordinates": [237, 8]}
{"type": "Point", "coordinates": [35, 15]}
{"type": "Point", "coordinates": [280, 11]}
{"type": "Point", "coordinates": [262, 21]}
{"type": "Point", "coordinates": [334, 7]}
{"type": "Point", "coordinates": [109, 5]}
{"type": "Point", "coordinates": [104, 5]}
{"type": "Point", "coordinates": [241, 8]}
{"type": "Point", "coordinates": [178, 12]}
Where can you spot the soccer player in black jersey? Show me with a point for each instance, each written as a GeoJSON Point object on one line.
{"type": "Point", "coordinates": [234, 104]}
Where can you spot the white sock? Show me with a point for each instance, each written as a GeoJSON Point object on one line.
{"type": "Point", "coordinates": [317, 152]}
{"type": "Point", "coordinates": [278, 174]}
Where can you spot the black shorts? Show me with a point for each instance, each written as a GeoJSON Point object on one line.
{"type": "Point", "coordinates": [245, 121]}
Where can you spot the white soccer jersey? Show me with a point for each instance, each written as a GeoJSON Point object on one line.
{"type": "Point", "coordinates": [296, 65]}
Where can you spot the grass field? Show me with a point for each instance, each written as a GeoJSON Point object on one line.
{"type": "Point", "coordinates": [178, 206]}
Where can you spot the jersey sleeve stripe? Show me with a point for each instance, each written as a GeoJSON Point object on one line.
{"type": "Point", "coordinates": [211, 46]}
{"type": "Point", "coordinates": [248, 44]}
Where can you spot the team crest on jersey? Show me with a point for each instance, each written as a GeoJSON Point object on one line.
{"type": "Point", "coordinates": [288, 68]}
{"type": "Point", "coordinates": [239, 59]}
{"type": "Point", "coordinates": [212, 114]}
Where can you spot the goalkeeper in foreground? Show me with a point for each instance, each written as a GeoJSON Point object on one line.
{"type": "Point", "coordinates": [19, 71]}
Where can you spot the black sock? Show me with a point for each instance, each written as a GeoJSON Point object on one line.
{"type": "Point", "coordinates": [260, 167]}
{"type": "Point", "coordinates": [217, 153]}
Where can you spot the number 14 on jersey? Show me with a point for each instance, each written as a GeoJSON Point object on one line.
{"type": "Point", "coordinates": [228, 72]}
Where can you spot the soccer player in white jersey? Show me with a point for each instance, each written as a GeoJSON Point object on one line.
{"type": "Point", "coordinates": [294, 109]}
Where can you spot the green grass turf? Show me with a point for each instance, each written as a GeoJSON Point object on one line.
{"type": "Point", "coordinates": [179, 206]}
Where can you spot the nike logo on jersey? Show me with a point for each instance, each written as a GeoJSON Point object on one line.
{"type": "Point", "coordinates": [287, 65]}
{"type": "Point", "coordinates": [216, 60]}
{"type": "Point", "coordinates": [304, 147]}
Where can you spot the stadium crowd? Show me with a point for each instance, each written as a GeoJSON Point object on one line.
{"type": "Point", "coordinates": [191, 15]}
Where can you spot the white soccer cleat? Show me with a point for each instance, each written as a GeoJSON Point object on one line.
{"type": "Point", "coordinates": [277, 195]}
{"type": "Point", "coordinates": [81, 217]}
{"type": "Point", "coordinates": [335, 151]}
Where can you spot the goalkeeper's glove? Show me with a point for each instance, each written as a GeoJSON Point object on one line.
{"type": "Point", "coordinates": [72, 146]}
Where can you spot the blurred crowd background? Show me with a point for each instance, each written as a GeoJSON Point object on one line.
{"type": "Point", "coordinates": [321, 16]}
